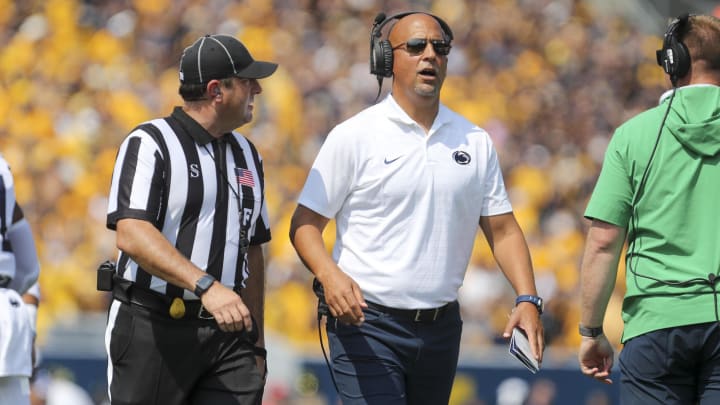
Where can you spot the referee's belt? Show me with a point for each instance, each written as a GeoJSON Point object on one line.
{"type": "Point", "coordinates": [5, 280]}
{"type": "Point", "coordinates": [414, 315]}
{"type": "Point", "coordinates": [129, 293]}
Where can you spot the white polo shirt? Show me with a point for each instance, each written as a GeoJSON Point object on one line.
{"type": "Point", "coordinates": [406, 204]}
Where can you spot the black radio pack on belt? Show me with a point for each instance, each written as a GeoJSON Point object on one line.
{"type": "Point", "coordinates": [105, 273]}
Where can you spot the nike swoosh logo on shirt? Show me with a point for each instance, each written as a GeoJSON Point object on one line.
{"type": "Point", "coordinates": [387, 162]}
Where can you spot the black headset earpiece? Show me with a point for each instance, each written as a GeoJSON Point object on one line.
{"type": "Point", "coordinates": [381, 52]}
{"type": "Point", "coordinates": [378, 49]}
{"type": "Point", "coordinates": [674, 56]}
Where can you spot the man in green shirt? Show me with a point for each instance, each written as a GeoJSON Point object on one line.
{"type": "Point", "coordinates": [660, 187]}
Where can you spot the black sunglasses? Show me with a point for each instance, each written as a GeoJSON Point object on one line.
{"type": "Point", "coordinates": [416, 46]}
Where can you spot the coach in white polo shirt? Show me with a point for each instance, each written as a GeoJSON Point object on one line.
{"type": "Point", "coordinates": [407, 181]}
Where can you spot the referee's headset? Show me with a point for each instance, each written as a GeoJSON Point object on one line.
{"type": "Point", "coordinates": [381, 52]}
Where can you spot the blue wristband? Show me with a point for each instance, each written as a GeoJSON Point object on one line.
{"type": "Point", "coordinates": [533, 299]}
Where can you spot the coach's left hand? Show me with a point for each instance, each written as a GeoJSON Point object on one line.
{"type": "Point", "coordinates": [526, 317]}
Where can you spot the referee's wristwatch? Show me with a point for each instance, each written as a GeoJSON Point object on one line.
{"type": "Point", "coordinates": [203, 284]}
{"type": "Point", "coordinates": [533, 299]}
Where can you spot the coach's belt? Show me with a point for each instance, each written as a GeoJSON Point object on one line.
{"type": "Point", "coordinates": [127, 292]}
{"type": "Point", "coordinates": [415, 315]}
{"type": "Point", "coordinates": [5, 280]}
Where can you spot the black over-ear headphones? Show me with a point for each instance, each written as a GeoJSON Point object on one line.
{"type": "Point", "coordinates": [674, 56]}
{"type": "Point", "coordinates": [381, 52]}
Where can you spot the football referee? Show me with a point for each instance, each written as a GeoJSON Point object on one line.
{"type": "Point", "coordinates": [187, 204]}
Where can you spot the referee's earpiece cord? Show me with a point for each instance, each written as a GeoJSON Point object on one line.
{"type": "Point", "coordinates": [222, 173]}
{"type": "Point", "coordinates": [711, 279]}
{"type": "Point", "coordinates": [244, 242]}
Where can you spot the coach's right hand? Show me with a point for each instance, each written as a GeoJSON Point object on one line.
{"type": "Point", "coordinates": [596, 356]}
{"type": "Point", "coordinates": [229, 310]}
{"type": "Point", "coordinates": [343, 296]}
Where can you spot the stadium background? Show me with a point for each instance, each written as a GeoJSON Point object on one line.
{"type": "Point", "coordinates": [549, 80]}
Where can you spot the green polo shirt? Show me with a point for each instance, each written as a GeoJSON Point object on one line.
{"type": "Point", "coordinates": [674, 227]}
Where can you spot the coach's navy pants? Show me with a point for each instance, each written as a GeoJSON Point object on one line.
{"type": "Point", "coordinates": [392, 361]}
{"type": "Point", "coordinates": [674, 366]}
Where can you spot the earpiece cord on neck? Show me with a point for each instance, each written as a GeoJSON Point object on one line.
{"type": "Point", "coordinates": [224, 175]}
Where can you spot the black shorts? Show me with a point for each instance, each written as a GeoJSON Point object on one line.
{"type": "Point", "coordinates": [154, 359]}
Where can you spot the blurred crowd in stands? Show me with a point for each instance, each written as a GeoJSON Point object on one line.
{"type": "Point", "coordinates": [549, 80]}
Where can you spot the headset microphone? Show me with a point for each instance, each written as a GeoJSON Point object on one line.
{"type": "Point", "coordinates": [379, 18]}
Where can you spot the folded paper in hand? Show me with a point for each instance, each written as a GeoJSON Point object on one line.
{"type": "Point", "coordinates": [520, 348]}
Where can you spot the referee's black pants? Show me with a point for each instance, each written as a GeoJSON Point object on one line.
{"type": "Point", "coordinates": [154, 359]}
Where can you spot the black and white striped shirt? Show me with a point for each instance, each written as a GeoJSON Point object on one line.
{"type": "Point", "coordinates": [205, 195]}
{"type": "Point", "coordinates": [7, 205]}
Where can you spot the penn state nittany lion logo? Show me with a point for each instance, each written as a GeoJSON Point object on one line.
{"type": "Point", "coordinates": [461, 157]}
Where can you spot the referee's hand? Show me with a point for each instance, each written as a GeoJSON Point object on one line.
{"type": "Point", "coordinates": [229, 310]}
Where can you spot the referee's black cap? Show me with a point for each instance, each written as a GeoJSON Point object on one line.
{"type": "Point", "coordinates": [219, 57]}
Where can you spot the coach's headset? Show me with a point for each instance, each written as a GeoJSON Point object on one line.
{"type": "Point", "coordinates": [674, 58]}
{"type": "Point", "coordinates": [381, 52]}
